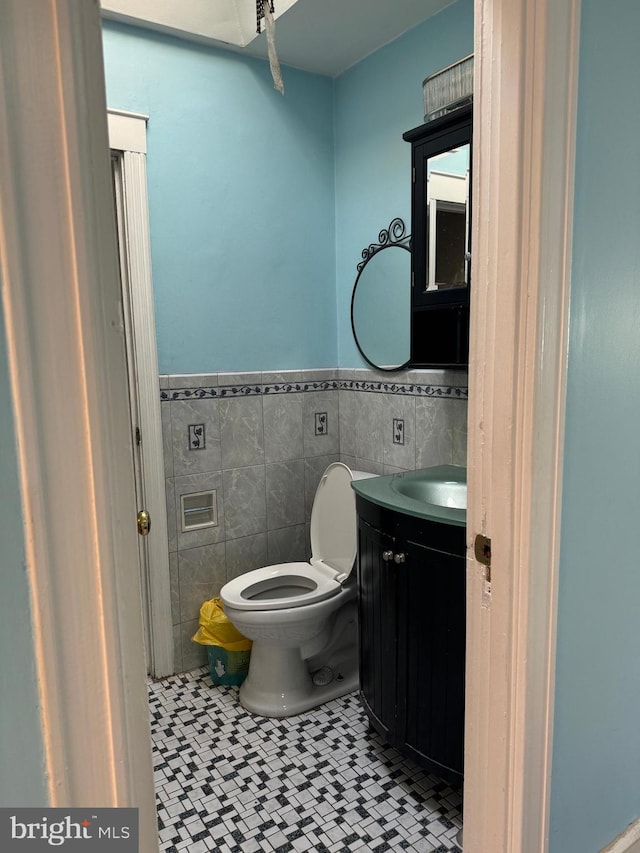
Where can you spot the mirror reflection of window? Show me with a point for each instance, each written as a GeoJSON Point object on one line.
{"type": "Point", "coordinates": [447, 219]}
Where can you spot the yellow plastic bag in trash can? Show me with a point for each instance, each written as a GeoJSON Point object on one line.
{"type": "Point", "coordinates": [228, 650]}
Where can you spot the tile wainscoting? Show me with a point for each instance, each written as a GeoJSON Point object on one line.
{"type": "Point", "coordinates": [260, 442]}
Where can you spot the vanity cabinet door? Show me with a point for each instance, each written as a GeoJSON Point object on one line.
{"type": "Point", "coordinates": [377, 601]}
{"type": "Point", "coordinates": [411, 604]}
{"type": "Point", "coordinates": [431, 652]}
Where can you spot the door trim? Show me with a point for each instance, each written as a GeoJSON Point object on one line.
{"type": "Point", "coordinates": [127, 134]}
{"type": "Point", "coordinates": [524, 148]}
{"type": "Point", "coordinates": [61, 301]}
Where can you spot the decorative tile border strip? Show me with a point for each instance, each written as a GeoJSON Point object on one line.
{"type": "Point", "coordinates": [407, 389]}
{"type": "Point", "coordinates": [227, 391]}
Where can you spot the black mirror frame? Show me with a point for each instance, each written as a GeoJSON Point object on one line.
{"type": "Point", "coordinates": [393, 236]}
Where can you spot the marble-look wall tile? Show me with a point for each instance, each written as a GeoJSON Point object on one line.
{"type": "Point", "coordinates": [285, 493]}
{"type": "Point", "coordinates": [460, 435]}
{"type": "Point", "coordinates": [282, 427]}
{"type": "Point", "coordinates": [399, 423]}
{"type": "Point", "coordinates": [172, 533]}
{"type": "Point", "coordinates": [245, 503]}
{"type": "Point", "coordinates": [288, 545]}
{"type": "Point", "coordinates": [177, 649]}
{"type": "Point", "coordinates": [434, 432]}
{"type": "Point", "coordinates": [391, 469]}
{"type": "Point", "coordinates": [174, 579]}
{"type": "Point", "coordinates": [321, 423]}
{"type": "Point", "coordinates": [193, 654]}
{"type": "Point", "coordinates": [283, 377]}
{"type": "Point", "coordinates": [349, 461]}
{"type": "Point", "coordinates": [348, 410]}
{"type": "Point", "coordinates": [192, 484]}
{"type": "Point", "coordinates": [202, 573]}
{"type": "Point", "coordinates": [238, 380]}
{"type": "Point", "coordinates": [242, 432]}
{"type": "Point", "coordinates": [193, 380]}
{"type": "Point", "coordinates": [186, 413]}
{"type": "Point", "coordinates": [246, 554]}
{"type": "Point", "coordinates": [369, 465]}
{"type": "Point", "coordinates": [370, 427]}
{"type": "Point", "coordinates": [167, 450]}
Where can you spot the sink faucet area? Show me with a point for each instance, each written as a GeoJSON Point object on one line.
{"type": "Point", "coordinates": [438, 493]}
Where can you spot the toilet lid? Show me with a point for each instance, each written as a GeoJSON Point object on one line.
{"type": "Point", "coordinates": [334, 536]}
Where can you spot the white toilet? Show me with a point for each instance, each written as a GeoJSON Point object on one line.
{"type": "Point", "coordinates": [302, 617]}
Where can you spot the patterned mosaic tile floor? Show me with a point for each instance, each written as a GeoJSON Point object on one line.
{"type": "Point", "coordinates": [231, 782]}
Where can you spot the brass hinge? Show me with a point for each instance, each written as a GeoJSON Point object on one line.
{"type": "Point", "coordinates": [482, 552]}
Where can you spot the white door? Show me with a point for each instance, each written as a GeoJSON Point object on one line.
{"type": "Point", "coordinates": [127, 138]}
{"type": "Point", "coordinates": [136, 432]}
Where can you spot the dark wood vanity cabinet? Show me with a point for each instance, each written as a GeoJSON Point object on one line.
{"type": "Point", "coordinates": [441, 240]}
{"type": "Point", "coordinates": [411, 602]}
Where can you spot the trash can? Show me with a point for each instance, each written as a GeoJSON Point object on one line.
{"type": "Point", "coordinates": [228, 651]}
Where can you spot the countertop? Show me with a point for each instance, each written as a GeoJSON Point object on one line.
{"type": "Point", "coordinates": [384, 492]}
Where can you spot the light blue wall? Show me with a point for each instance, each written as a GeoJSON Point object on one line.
{"type": "Point", "coordinates": [596, 759]}
{"type": "Point", "coordinates": [22, 779]}
{"type": "Point", "coordinates": [251, 230]}
{"type": "Point", "coordinates": [241, 196]}
{"type": "Point", "coordinates": [375, 103]}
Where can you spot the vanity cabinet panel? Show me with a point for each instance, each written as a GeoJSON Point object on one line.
{"type": "Point", "coordinates": [412, 635]}
{"type": "Point", "coordinates": [378, 627]}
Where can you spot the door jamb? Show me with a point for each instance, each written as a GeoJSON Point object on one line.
{"type": "Point", "coordinates": [524, 148]}
{"type": "Point", "coordinates": [61, 301]}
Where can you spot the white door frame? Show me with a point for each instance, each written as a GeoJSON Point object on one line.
{"type": "Point", "coordinates": [63, 316]}
{"type": "Point", "coordinates": [128, 134]}
{"type": "Point", "coordinates": [57, 228]}
{"type": "Point", "coordinates": [526, 67]}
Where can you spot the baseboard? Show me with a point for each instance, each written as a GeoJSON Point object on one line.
{"type": "Point", "coordinates": [626, 842]}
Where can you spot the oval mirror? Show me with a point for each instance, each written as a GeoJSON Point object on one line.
{"type": "Point", "coordinates": [381, 301]}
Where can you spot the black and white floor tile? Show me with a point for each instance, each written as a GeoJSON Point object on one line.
{"type": "Point", "coordinates": [231, 782]}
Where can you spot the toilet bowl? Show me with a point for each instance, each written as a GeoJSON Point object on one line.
{"type": "Point", "coordinates": [302, 617]}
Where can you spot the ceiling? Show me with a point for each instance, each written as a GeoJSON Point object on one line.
{"type": "Point", "coordinates": [321, 36]}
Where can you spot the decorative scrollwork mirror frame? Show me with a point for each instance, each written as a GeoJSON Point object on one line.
{"type": "Point", "coordinates": [394, 235]}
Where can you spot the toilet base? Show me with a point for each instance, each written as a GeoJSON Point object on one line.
{"type": "Point", "coordinates": [279, 683]}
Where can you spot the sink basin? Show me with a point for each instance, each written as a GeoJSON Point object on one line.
{"type": "Point", "coordinates": [447, 493]}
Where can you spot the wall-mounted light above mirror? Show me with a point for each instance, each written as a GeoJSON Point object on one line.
{"type": "Point", "coordinates": [381, 300]}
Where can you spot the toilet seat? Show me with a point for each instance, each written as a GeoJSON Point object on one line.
{"type": "Point", "coordinates": [333, 548]}
{"type": "Point", "coordinates": [280, 586]}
